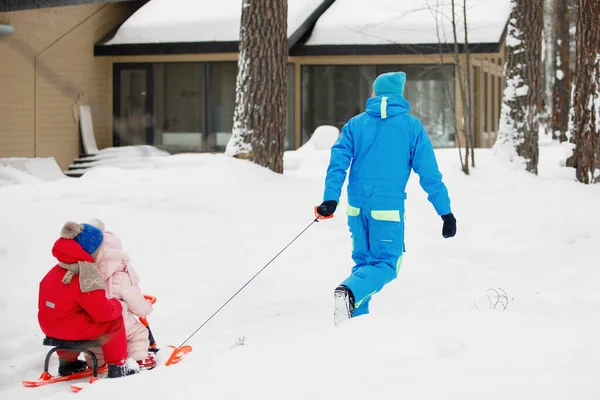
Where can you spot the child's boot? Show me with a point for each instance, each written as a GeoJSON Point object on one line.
{"type": "Point", "coordinates": [148, 363]}
{"type": "Point", "coordinates": [125, 368]}
{"type": "Point", "coordinates": [71, 367]}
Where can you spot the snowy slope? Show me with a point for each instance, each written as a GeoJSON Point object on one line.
{"type": "Point", "coordinates": [349, 22]}
{"type": "Point", "coordinates": [199, 226]}
{"type": "Point", "coordinates": [174, 21]}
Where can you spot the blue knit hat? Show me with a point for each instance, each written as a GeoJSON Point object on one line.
{"type": "Point", "coordinates": [89, 237]}
{"type": "Point", "coordinates": [389, 83]}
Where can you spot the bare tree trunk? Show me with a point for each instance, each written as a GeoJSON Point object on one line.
{"type": "Point", "coordinates": [471, 120]}
{"type": "Point", "coordinates": [259, 121]}
{"type": "Point", "coordinates": [561, 93]}
{"type": "Point", "coordinates": [464, 84]}
{"type": "Point", "coordinates": [586, 99]}
{"type": "Point", "coordinates": [518, 132]}
{"type": "Point", "coordinates": [449, 96]}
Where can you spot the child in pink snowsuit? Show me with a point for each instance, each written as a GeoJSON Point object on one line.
{"type": "Point", "coordinates": [121, 281]}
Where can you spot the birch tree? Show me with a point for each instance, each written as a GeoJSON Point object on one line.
{"type": "Point", "coordinates": [259, 120]}
{"type": "Point", "coordinates": [518, 132]}
{"type": "Point", "coordinates": [585, 112]}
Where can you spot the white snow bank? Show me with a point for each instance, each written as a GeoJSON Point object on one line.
{"type": "Point", "coordinates": [322, 139]}
{"type": "Point", "coordinates": [20, 170]}
{"type": "Point", "coordinates": [315, 153]}
{"type": "Point", "coordinates": [13, 176]}
{"type": "Point", "coordinates": [175, 21]}
{"type": "Point", "coordinates": [408, 22]}
{"type": "Point", "coordinates": [201, 226]}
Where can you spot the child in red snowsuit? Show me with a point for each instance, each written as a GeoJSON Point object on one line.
{"type": "Point", "coordinates": [73, 305]}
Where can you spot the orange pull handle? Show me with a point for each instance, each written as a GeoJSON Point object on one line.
{"type": "Point", "coordinates": [320, 217]}
{"type": "Point", "coordinates": [152, 299]}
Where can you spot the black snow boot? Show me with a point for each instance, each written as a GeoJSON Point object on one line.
{"type": "Point", "coordinates": [344, 304]}
{"type": "Point", "coordinates": [71, 367]}
{"type": "Point", "coordinates": [129, 367]}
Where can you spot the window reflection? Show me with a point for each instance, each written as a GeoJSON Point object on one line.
{"type": "Point", "coordinates": [332, 94]}
{"type": "Point", "coordinates": [191, 107]}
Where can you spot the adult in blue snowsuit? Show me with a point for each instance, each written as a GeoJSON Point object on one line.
{"type": "Point", "coordinates": [381, 145]}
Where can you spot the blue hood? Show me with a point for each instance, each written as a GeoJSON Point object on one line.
{"type": "Point", "coordinates": [387, 106]}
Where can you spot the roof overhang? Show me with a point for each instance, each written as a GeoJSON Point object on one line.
{"type": "Point", "coordinates": [391, 49]}
{"type": "Point", "coordinates": [144, 49]}
{"type": "Point", "coordinates": [103, 49]}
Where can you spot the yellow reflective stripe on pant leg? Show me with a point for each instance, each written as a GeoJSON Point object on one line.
{"type": "Point", "coordinates": [352, 211]}
{"type": "Point", "coordinates": [398, 264]}
{"type": "Point", "coordinates": [386, 215]}
{"type": "Point", "coordinates": [357, 304]}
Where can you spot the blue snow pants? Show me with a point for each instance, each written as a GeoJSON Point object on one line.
{"type": "Point", "coordinates": [377, 249]}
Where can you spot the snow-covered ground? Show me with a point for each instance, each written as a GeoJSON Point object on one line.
{"type": "Point", "coordinates": [199, 226]}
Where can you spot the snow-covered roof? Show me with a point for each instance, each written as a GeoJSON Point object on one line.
{"type": "Point", "coordinates": [379, 22]}
{"type": "Point", "coordinates": [181, 21]}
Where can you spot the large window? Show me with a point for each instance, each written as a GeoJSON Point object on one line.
{"type": "Point", "coordinates": [334, 93]}
{"type": "Point", "coordinates": [133, 99]}
{"type": "Point", "coordinates": [193, 105]}
{"type": "Point", "coordinates": [331, 94]}
{"type": "Point", "coordinates": [220, 104]}
{"type": "Point", "coordinates": [289, 134]}
{"type": "Point", "coordinates": [180, 107]}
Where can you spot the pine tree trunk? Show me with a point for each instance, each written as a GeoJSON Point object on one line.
{"type": "Point", "coordinates": [518, 132]}
{"type": "Point", "coordinates": [561, 93]}
{"type": "Point", "coordinates": [586, 100]}
{"type": "Point", "coordinates": [259, 121]}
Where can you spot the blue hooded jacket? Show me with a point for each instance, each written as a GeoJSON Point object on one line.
{"type": "Point", "coordinates": [384, 144]}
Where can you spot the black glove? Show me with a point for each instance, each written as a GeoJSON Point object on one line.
{"type": "Point", "coordinates": [449, 228]}
{"type": "Point", "coordinates": [327, 208]}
